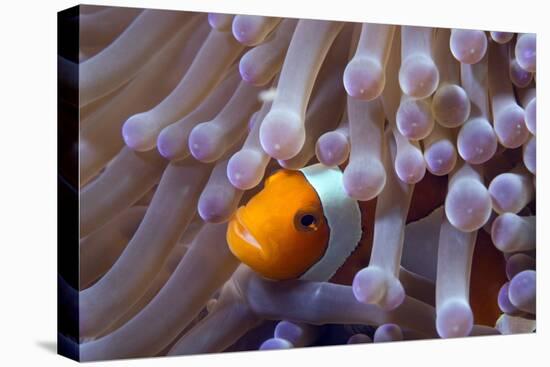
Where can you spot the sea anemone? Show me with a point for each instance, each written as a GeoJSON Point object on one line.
{"type": "Point", "coordinates": [182, 117]}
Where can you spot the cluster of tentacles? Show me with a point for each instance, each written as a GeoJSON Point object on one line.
{"type": "Point", "coordinates": [182, 115]}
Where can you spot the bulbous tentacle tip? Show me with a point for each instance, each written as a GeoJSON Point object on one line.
{"type": "Point", "coordinates": [522, 291]}
{"type": "Point", "coordinates": [468, 205]}
{"type": "Point", "coordinates": [248, 29]}
{"type": "Point", "coordinates": [477, 141]}
{"type": "Point", "coordinates": [245, 169]}
{"type": "Point", "coordinates": [220, 22]}
{"type": "Point", "coordinates": [164, 145]}
{"type": "Point", "coordinates": [332, 148]}
{"type": "Point", "coordinates": [250, 71]}
{"type": "Point", "coordinates": [213, 208]}
{"type": "Point", "coordinates": [526, 51]}
{"type": "Point", "coordinates": [519, 76]}
{"type": "Point", "coordinates": [275, 344]}
{"type": "Point", "coordinates": [241, 30]}
{"type": "Point", "coordinates": [507, 191]}
{"type": "Point", "coordinates": [510, 233]}
{"type": "Point", "coordinates": [502, 37]}
{"type": "Point", "coordinates": [414, 119]}
{"type": "Point", "coordinates": [373, 285]}
{"type": "Point", "coordinates": [531, 116]}
{"type": "Point", "coordinates": [282, 134]}
{"type": "Point", "coordinates": [364, 78]}
{"type": "Point", "coordinates": [287, 330]}
{"type": "Point", "coordinates": [218, 200]}
{"type": "Point", "coordinates": [451, 105]}
{"type": "Point", "coordinates": [369, 285]}
{"type": "Point", "coordinates": [410, 166]}
{"type": "Point", "coordinates": [418, 76]}
{"type": "Point", "coordinates": [530, 155]}
{"type": "Point", "coordinates": [359, 339]}
{"type": "Point", "coordinates": [388, 333]}
{"type": "Point", "coordinates": [510, 126]}
{"type": "Point", "coordinates": [454, 319]}
{"type": "Point", "coordinates": [205, 142]}
{"type": "Point", "coordinates": [364, 180]}
{"type": "Point", "coordinates": [140, 133]}
{"type": "Point", "coordinates": [504, 301]}
{"type": "Point", "coordinates": [169, 146]}
{"type": "Point", "coordinates": [468, 46]}
{"type": "Point", "coordinates": [440, 157]}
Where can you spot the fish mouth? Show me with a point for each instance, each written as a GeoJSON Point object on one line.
{"type": "Point", "coordinates": [242, 242]}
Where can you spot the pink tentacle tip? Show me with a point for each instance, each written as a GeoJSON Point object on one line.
{"type": "Point", "coordinates": [282, 134]}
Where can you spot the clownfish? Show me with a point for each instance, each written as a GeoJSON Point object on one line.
{"type": "Point", "coordinates": [303, 225]}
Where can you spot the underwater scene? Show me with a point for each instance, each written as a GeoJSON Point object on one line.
{"type": "Point", "coordinates": [255, 183]}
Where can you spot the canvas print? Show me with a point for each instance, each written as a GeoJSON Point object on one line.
{"type": "Point", "coordinates": [244, 182]}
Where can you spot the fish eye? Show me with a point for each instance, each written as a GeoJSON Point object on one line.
{"type": "Point", "coordinates": [306, 221]}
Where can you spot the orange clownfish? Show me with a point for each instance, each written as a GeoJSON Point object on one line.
{"type": "Point", "coordinates": [303, 225]}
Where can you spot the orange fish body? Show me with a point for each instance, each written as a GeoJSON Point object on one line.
{"type": "Point", "coordinates": [284, 232]}
{"type": "Point", "coordinates": [295, 215]}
